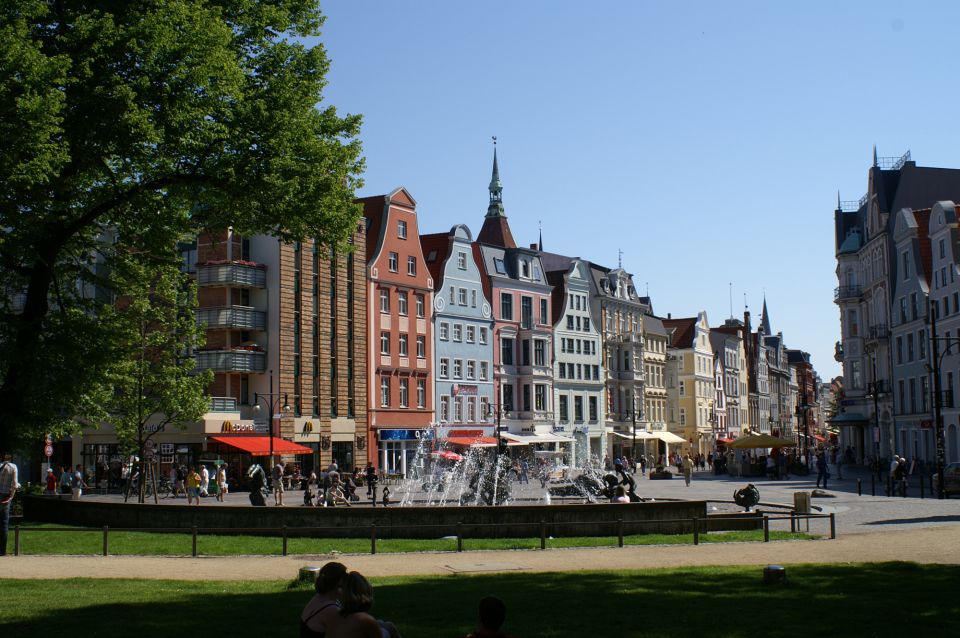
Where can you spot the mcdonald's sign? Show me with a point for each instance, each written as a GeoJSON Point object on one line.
{"type": "Point", "coordinates": [307, 427]}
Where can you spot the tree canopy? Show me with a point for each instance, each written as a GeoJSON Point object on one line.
{"type": "Point", "coordinates": [126, 126]}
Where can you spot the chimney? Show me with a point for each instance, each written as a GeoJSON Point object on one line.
{"type": "Point", "coordinates": [533, 246]}
{"type": "Point", "coordinates": [669, 316]}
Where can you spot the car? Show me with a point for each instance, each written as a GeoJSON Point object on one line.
{"type": "Point", "coordinates": [951, 484]}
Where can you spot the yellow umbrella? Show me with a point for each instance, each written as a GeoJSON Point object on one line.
{"type": "Point", "coordinates": [761, 441]}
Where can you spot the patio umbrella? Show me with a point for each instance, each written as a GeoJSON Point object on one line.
{"type": "Point", "coordinates": [448, 455]}
{"type": "Point", "coordinates": [761, 441]}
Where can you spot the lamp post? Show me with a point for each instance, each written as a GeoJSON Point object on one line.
{"type": "Point", "coordinates": [633, 413]}
{"type": "Point", "coordinates": [272, 402]}
{"type": "Point", "coordinates": [937, 392]}
{"type": "Point", "coordinates": [875, 389]}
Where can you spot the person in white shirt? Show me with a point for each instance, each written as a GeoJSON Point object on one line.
{"type": "Point", "coordinates": [8, 489]}
{"type": "Point", "coordinates": [204, 481]}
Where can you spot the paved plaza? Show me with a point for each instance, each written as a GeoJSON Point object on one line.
{"type": "Point", "coordinates": [870, 528]}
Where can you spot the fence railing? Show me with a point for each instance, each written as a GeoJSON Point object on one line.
{"type": "Point", "coordinates": [698, 525]}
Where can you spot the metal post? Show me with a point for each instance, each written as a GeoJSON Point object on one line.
{"type": "Point", "coordinates": [543, 534]}
{"type": "Point", "coordinates": [373, 539]}
{"type": "Point", "coordinates": [696, 530]}
{"type": "Point", "coordinates": [459, 536]}
{"type": "Point", "coordinates": [938, 399]}
{"type": "Point", "coordinates": [16, 540]}
{"type": "Point", "coordinates": [284, 532]}
{"type": "Point", "coordinates": [766, 529]}
{"type": "Point", "coordinates": [194, 540]}
{"type": "Point", "coordinates": [106, 547]}
{"type": "Point", "coordinates": [859, 488]}
{"type": "Point", "coordinates": [619, 532]}
{"type": "Point", "coordinates": [833, 526]}
{"type": "Point", "coordinates": [921, 487]}
{"type": "Point", "coordinates": [793, 521]}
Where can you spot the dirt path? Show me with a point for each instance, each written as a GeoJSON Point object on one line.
{"type": "Point", "coordinates": [922, 545]}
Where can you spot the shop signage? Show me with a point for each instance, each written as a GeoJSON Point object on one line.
{"type": "Point", "coordinates": [228, 427]}
{"type": "Point", "coordinates": [463, 390]}
{"type": "Point", "coordinates": [926, 424]}
{"type": "Point", "coordinates": [582, 429]}
{"type": "Point", "coordinates": [399, 435]}
{"type": "Point", "coordinates": [307, 427]}
{"type": "Point", "coordinates": [465, 433]}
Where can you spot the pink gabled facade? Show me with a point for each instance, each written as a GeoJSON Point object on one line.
{"type": "Point", "coordinates": [400, 338]}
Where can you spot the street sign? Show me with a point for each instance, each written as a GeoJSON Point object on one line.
{"type": "Point", "coordinates": [49, 439]}
{"type": "Point", "coordinates": [48, 450]}
{"type": "Point", "coordinates": [148, 449]}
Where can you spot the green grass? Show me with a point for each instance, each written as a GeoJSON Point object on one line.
{"type": "Point", "coordinates": [81, 541]}
{"type": "Point", "coordinates": [888, 599]}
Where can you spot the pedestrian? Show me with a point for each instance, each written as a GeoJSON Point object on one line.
{"type": "Point", "coordinates": [77, 484]}
{"type": "Point", "coordinates": [493, 613]}
{"type": "Point", "coordinates": [524, 470]}
{"type": "Point", "coordinates": [900, 477]}
{"type": "Point", "coordinates": [371, 479]}
{"type": "Point", "coordinates": [51, 487]}
{"type": "Point", "coordinates": [66, 480]}
{"type": "Point", "coordinates": [193, 486]}
{"type": "Point", "coordinates": [839, 464]}
{"type": "Point", "coordinates": [222, 486]}
{"type": "Point", "coordinates": [181, 476]}
{"type": "Point", "coordinates": [687, 469]}
{"type": "Point", "coordinates": [204, 481]}
{"type": "Point", "coordinates": [277, 477]}
{"type": "Point", "coordinates": [8, 489]}
{"type": "Point", "coordinates": [822, 473]}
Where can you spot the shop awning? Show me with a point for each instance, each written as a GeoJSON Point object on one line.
{"type": "Point", "coordinates": [849, 418]}
{"type": "Point", "coordinates": [260, 445]}
{"type": "Point", "coordinates": [472, 441]}
{"type": "Point", "coordinates": [518, 439]}
{"type": "Point", "coordinates": [642, 435]}
{"type": "Point", "coordinates": [820, 438]}
{"type": "Point", "coordinates": [725, 440]}
{"type": "Point", "coordinates": [553, 438]}
{"type": "Point", "coordinates": [668, 437]}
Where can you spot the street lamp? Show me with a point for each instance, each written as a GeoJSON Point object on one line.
{"type": "Point", "coordinates": [937, 392]}
{"type": "Point", "coordinates": [633, 413]}
{"type": "Point", "coordinates": [272, 402]}
{"type": "Point", "coordinates": [876, 389]}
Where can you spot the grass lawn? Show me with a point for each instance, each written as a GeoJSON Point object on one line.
{"type": "Point", "coordinates": [146, 543]}
{"type": "Point", "coordinates": [889, 599]}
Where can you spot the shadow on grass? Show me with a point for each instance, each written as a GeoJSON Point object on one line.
{"type": "Point", "coordinates": [847, 600]}
{"type": "Point", "coordinates": [946, 518]}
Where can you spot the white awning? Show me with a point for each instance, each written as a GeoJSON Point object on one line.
{"type": "Point", "coordinates": [552, 438]}
{"type": "Point", "coordinates": [669, 437]}
{"type": "Point", "coordinates": [519, 439]}
{"type": "Point", "coordinates": [642, 435]}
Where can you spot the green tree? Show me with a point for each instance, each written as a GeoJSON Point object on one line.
{"type": "Point", "coordinates": [128, 125]}
{"type": "Point", "coordinates": [153, 384]}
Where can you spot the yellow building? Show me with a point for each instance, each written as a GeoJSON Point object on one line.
{"type": "Point", "coordinates": [690, 381]}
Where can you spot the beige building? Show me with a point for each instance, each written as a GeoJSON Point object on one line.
{"type": "Point", "coordinates": [690, 381]}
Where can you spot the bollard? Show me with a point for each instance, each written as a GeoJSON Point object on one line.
{"type": "Point", "coordinates": [859, 488]}
{"type": "Point", "coordinates": [793, 522]}
{"type": "Point", "coordinates": [194, 540]}
{"type": "Point", "coordinates": [16, 540]}
{"type": "Point", "coordinates": [459, 536]}
{"type": "Point", "coordinates": [543, 535]}
{"type": "Point", "coordinates": [696, 530]}
{"type": "Point", "coordinates": [373, 539]}
{"type": "Point", "coordinates": [833, 526]}
{"type": "Point", "coordinates": [873, 485]}
{"type": "Point", "coordinates": [921, 487]}
{"type": "Point", "coordinates": [619, 532]}
{"type": "Point", "coordinates": [889, 486]}
{"type": "Point", "coordinates": [105, 545]}
{"type": "Point", "coordinates": [766, 529]}
{"type": "Point", "coordinates": [284, 532]}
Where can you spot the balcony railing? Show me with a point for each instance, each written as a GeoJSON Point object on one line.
{"type": "Point", "coordinates": [239, 275]}
{"type": "Point", "coordinates": [241, 317]}
{"type": "Point", "coordinates": [223, 404]}
{"type": "Point", "coordinates": [842, 293]}
{"type": "Point", "coordinates": [879, 332]}
{"type": "Point", "coordinates": [231, 360]}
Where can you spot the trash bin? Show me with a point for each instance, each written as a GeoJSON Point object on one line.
{"type": "Point", "coordinates": [801, 505]}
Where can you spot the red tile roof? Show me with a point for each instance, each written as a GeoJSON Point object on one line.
{"type": "Point", "coordinates": [496, 232]}
{"type": "Point", "coordinates": [683, 331]}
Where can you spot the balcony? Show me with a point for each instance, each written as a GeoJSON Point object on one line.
{"type": "Point", "coordinates": [239, 317]}
{"type": "Point", "coordinates": [223, 404]}
{"type": "Point", "coordinates": [847, 293]}
{"type": "Point", "coordinates": [878, 332]}
{"type": "Point", "coordinates": [232, 274]}
{"type": "Point", "coordinates": [231, 360]}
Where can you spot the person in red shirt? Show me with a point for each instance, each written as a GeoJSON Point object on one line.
{"type": "Point", "coordinates": [493, 612]}
{"type": "Point", "coordinates": [51, 482]}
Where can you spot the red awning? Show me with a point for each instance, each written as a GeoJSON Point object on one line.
{"type": "Point", "coordinates": [472, 441]}
{"type": "Point", "coordinates": [725, 441]}
{"type": "Point", "coordinates": [260, 445]}
{"type": "Point", "coordinates": [819, 438]}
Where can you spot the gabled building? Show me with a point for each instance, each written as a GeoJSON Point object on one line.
{"type": "Point", "coordinates": [758, 381]}
{"type": "Point", "coordinates": [690, 385]}
{"type": "Point", "coordinates": [735, 381]}
{"type": "Point", "coordinates": [726, 408]}
{"type": "Point", "coordinates": [400, 338]}
{"type": "Point", "coordinates": [463, 336]}
{"type": "Point", "coordinates": [654, 367]}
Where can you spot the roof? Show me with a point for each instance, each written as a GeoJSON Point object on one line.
{"type": "Point", "coordinates": [496, 232]}
{"type": "Point", "coordinates": [683, 331]}
{"type": "Point", "coordinates": [653, 325]}
{"type": "Point", "coordinates": [798, 356]}
{"type": "Point", "coordinates": [437, 245]}
{"type": "Point", "coordinates": [552, 262]}
{"type": "Point", "coordinates": [923, 234]}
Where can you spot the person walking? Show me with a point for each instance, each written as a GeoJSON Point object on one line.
{"type": "Point", "coordinates": [822, 473]}
{"type": "Point", "coordinates": [8, 489]}
{"type": "Point", "coordinates": [193, 486]}
{"type": "Point", "coordinates": [221, 482]}
{"type": "Point", "coordinates": [77, 483]}
{"type": "Point", "coordinates": [277, 476]}
{"type": "Point", "coordinates": [687, 466]}
{"type": "Point", "coordinates": [204, 481]}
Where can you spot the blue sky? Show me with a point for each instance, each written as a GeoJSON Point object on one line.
{"type": "Point", "coordinates": [707, 140]}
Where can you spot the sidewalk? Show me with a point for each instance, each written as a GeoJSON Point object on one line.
{"type": "Point", "coordinates": [923, 545]}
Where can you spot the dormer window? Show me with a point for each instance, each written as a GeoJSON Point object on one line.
{"type": "Point", "coordinates": [524, 268]}
{"type": "Point", "coordinates": [500, 267]}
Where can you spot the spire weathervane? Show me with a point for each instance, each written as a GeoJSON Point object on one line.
{"type": "Point", "coordinates": [619, 258]}
{"type": "Point", "coordinates": [495, 208]}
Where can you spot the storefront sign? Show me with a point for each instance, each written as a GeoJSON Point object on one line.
{"type": "Point", "coordinates": [465, 433]}
{"type": "Point", "coordinates": [228, 427]}
{"type": "Point", "coordinates": [307, 427]}
{"type": "Point", "coordinates": [460, 390]}
{"type": "Point", "coordinates": [399, 435]}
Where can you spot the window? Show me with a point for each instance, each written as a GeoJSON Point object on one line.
{"type": "Point", "coordinates": [525, 269]}
{"type": "Point", "coordinates": [404, 392]}
{"type": "Point", "coordinates": [473, 298]}
{"type": "Point", "coordinates": [499, 266]}
{"type": "Point", "coordinates": [401, 229]}
{"type": "Point", "coordinates": [540, 397]}
{"type": "Point", "coordinates": [913, 305]}
{"type": "Point", "coordinates": [394, 262]}
{"type": "Point", "coordinates": [384, 391]}
{"type": "Point", "coordinates": [444, 408]}
{"type": "Point", "coordinates": [403, 345]}
{"type": "Point", "coordinates": [402, 303]}
{"type": "Point", "coordinates": [384, 343]}
{"type": "Point", "coordinates": [913, 395]}
{"type": "Point", "coordinates": [923, 394]}
{"type": "Point", "coordinates": [593, 408]}
{"type": "Point", "coordinates": [461, 260]}
{"type": "Point", "coordinates": [471, 369]}
{"type": "Point", "coordinates": [484, 370]}
{"type": "Point", "coordinates": [506, 351]}
{"type": "Point", "coordinates": [483, 336]}
{"type": "Point", "coordinates": [682, 388]}
{"type": "Point", "coordinates": [419, 299]}
{"type": "Point", "coordinates": [421, 347]}
{"type": "Point", "coordinates": [525, 352]}
{"type": "Point", "coordinates": [906, 265]}
{"type": "Point", "coordinates": [899, 350]}
{"type": "Point", "coordinates": [444, 331]}
{"type": "Point", "coordinates": [444, 368]}
{"type": "Point", "coordinates": [586, 324]}
{"type": "Point", "coordinates": [539, 352]}
{"type": "Point", "coordinates": [922, 343]}
{"type": "Point", "coordinates": [578, 409]}
{"type": "Point", "coordinates": [943, 251]}
{"type": "Point", "coordinates": [525, 392]}
{"type": "Point", "coordinates": [457, 332]}
{"type": "Point", "coordinates": [457, 409]}
{"type": "Point", "coordinates": [471, 410]}
{"type": "Point", "coordinates": [411, 265]}
{"type": "Point", "coordinates": [506, 397]}
{"type": "Point", "coordinates": [462, 296]}
{"type": "Point", "coordinates": [384, 301]}
{"type": "Point", "coordinates": [526, 312]}
{"type": "Point", "coordinates": [471, 334]}
{"type": "Point", "coordinates": [564, 416]}
{"type": "Point", "coordinates": [458, 368]}
{"type": "Point", "coordinates": [683, 416]}
{"type": "Point", "coordinates": [569, 322]}
{"type": "Point", "coordinates": [506, 306]}
{"type": "Point", "coordinates": [543, 312]}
